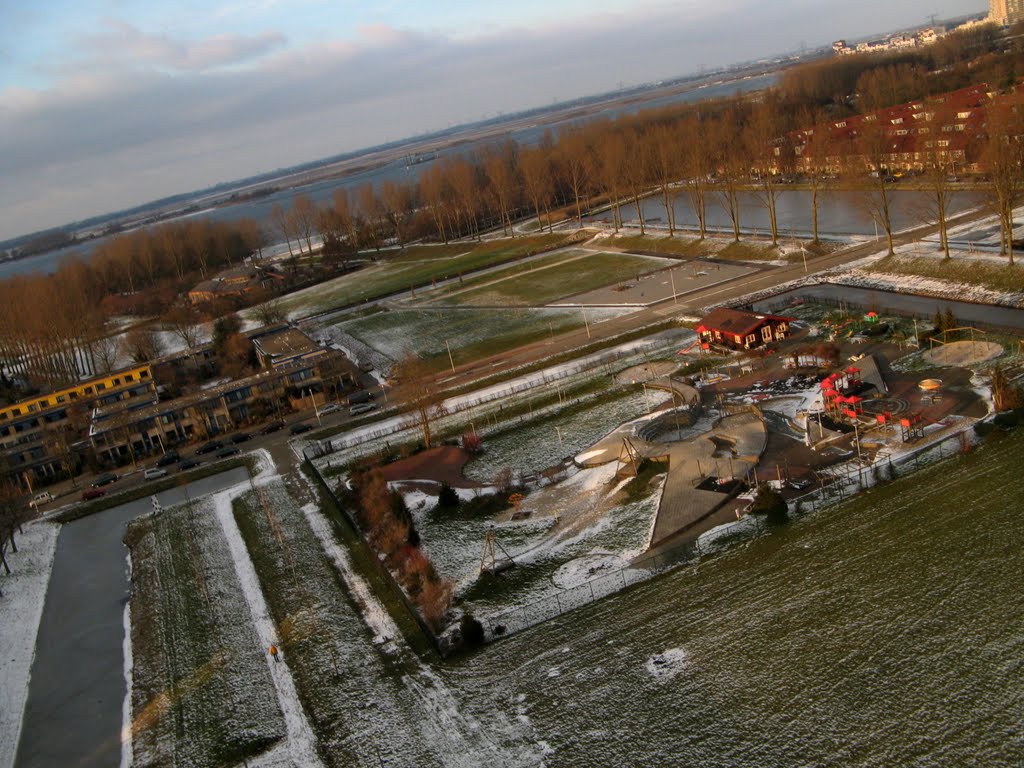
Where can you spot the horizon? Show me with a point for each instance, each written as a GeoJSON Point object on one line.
{"type": "Point", "coordinates": [145, 106]}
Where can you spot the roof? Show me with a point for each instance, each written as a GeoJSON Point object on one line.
{"type": "Point", "coordinates": [737, 322]}
{"type": "Point", "coordinates": [287, 342]}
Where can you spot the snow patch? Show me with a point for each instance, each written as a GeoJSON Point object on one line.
{"type": "Point", "coordinates": [24, 595]}
{"type": "Point", "coordinates": [668, 664]}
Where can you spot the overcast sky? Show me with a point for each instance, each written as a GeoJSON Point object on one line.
{"type": "Point", "coordinates": [105, 104]}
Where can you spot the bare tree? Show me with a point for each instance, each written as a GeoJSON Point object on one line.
{"type": "Point", "coordinates": [283, 224]}
{"type": "Point", "coordinates": [303, 216]}
{"type": "Point", "coordinates": [418, 392]}
{"type": "Point", "coordinates": [733, 166]}
{"type": "Point", "coordinates": [184, 323]}
{"type": "Point", "coordinates": [938, 159]}
{"type": "Point", "coordinates": [1003, 158]}
{"type": "Point", "coordinates": [535, 166]}
{"type": "Point", "coordinates": [142, 344]}
{"type": "Point", "coordinates": [698, 166]}
{"type": "Point", "coordinates": [873, 153]}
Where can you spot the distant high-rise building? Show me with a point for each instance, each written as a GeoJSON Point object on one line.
{"type": "Point", "coordinates": [1005, 12]}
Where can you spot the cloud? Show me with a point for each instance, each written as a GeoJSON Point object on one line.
{"type": "Point", "coordinates": [180, 116]}
{"type": "Point", "coordinates": [125, 44]}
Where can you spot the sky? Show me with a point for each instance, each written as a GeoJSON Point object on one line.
{"type": "Point", "coordinates": [107, 104]}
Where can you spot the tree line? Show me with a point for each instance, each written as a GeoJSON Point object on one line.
{"type": "Point", "coordinates": [52, 326]}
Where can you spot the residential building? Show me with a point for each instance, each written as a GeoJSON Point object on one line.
{"type": "Point", "coordinates": [1005, 12]}
{"type": "Point", "coordinates": [40, 436]}
{"type": "Point", "coordinates": [737, 329]}
{"type": "Point", "coordinates": [234, 283]}
{"type": "Point", "coordinates": [126, 433]}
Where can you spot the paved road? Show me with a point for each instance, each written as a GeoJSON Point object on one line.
{"type": "Point", "coordinates": [77, 689]}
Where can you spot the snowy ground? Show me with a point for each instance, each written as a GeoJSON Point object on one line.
{"type": "Point", "coordinates": [24, 592]}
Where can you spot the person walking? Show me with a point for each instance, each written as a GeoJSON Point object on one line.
{"type": "Point", "coordinates": [275, 653]}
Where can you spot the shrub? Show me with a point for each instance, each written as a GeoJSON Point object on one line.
{"type": "Point", "coordinates": [770, 503]}
{"type": "Point", "coordinates": [447, 498]}
{"type": "Point", "coordinates": [472, 631]}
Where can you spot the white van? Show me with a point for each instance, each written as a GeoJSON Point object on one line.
{"type": "Point", "coordinates": [43, 497]}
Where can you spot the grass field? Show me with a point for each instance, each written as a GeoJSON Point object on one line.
{"type": "Point", "coordinates": [446, 294]}
{"type": "Point", "coordinates": [1000, 277]}
{"type": "Point", "coordinates": [717, 248]}
{"type": "Point", "coordinates": [471, 333]}
{"type": "Point", "coordinates": [402, 272]}
{"type": "Point", "coordinates": [202, 693]}
{"type": "Point", "coordinates": [545, 283]}
{"type": "Point", "coordinates": [346, 687]}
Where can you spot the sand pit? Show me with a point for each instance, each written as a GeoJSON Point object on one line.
{"type": "Point", "coordinates": [963, 353]}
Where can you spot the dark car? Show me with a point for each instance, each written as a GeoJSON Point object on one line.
{"type": "Point", "coordinates": [240, 437]}
{"type": "Point", "coordinates": [224, 453]}
{"type": "Point", "coordinates": [189, 464]}
{"type": "Point", "coordinates": [171, 457]}
{"type": "Point", "coordinates": [93, 493]}
{"type": "Point", "coordinates": [273, 426]}
{"type": "Point", "coordinates": [298, 429]}
{"type": "Point", "coordinates": [210, 447]}
{"type": "Point", "coordinates": [102, 480]}
{"type": "Point", "coordinates": [363, 396]}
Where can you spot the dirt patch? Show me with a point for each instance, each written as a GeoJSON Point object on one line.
{"type": "Point", "coordinates": [443, 464]}
{"type": "Point", "coordinates": [963, 353]}
{"type": "Point", "coordinates": [646, 372]}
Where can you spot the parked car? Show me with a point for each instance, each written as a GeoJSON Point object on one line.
{"type": "Point", "coordinates": [355, 410]}
{"type": "Point", "coordinates": [330, 408]}
{"type": "Point", "coordinates": [105, 479]}
{"type": "Point", "coordinates": [171, 457]}
{"type": "Point", "coordinates": [189, 464]}
{"type": "Point", "coordinates": [240, 437]}
{"type": "Point", "coordinates": [799, 483]}
{"type": "Point", "coordinates": [210, 447]}
{"type": "Point", "coordinates": [273, 426]}
{"type": "Point", "coordinates": [43, 497]}
{"type": "Point", "coordinates": [363, 396]}
{"type": "Point", "coordinates": [154, 473]}
{"type": "Point", "coordinates": [93, 493]}
{"type": "Point", "coordinates": [224, 453]}
{"type": "Point", "coordinates": [298, 429]}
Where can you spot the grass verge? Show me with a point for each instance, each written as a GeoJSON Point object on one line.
{"type": "Point", "coordinates": [201, 690]}
{"type": "Point", "coordinates": [999, 277]}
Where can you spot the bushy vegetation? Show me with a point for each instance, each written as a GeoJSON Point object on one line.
{"type": "Point", "coordinates": [999, 277]}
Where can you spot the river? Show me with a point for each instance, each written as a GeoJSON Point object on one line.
{"type": "Point", "coordinates": [841, 213]}
{"type": "Point", "coordinates": [73, 714]}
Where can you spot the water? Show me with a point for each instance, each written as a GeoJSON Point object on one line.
{"type": "Point", "coordinates": [73, 712]}
{"type": "Point", "coordinates": [396, 171]}
{"type": "Point", "coordinates": [841, 213]}
{"type": "Point", "coordinates": [904, 304]}
{"type": "Point", "coordinates": [887, 632]}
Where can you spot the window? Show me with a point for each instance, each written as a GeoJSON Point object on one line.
{"type": "Point", "coordinates": [100, 387]}
{"type": "Point", "coordinates": [129, 377]}
{"type": "Point", "coordinates": [16, 411]}
{"type": "Point", "coordinates": [117, 382]}
{"type": "Point", "coordinates": [143, 375]}
{"type": "Point", "coordinates": [61, 399]}
{"type": "Point", "coordinates": [766, 333]}
{"type": "Point", "coordinates": [33, 408]}
{"type": "Point", "coordinates": [88, 390]}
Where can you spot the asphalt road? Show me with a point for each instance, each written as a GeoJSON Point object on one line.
{"type": "Point", "coordinates": [76, 692]}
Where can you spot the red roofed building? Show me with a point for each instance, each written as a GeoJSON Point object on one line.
{"type": "Point", "coordinates": [736, 329]}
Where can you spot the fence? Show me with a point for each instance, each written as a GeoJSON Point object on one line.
{"type": "Point", "coordinates": [656, 564]}
{"type": "Point", "coordinates": [348, 519]}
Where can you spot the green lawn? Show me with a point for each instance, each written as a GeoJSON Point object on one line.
{"type": "Point", "coordinates": [470, 333]}
{"type": "Point", "coordinates": [545, 282]}
{"type": "Point", "coordinates": [393, 275]}
{"type": "Point", "coordinates": [674, 246]}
